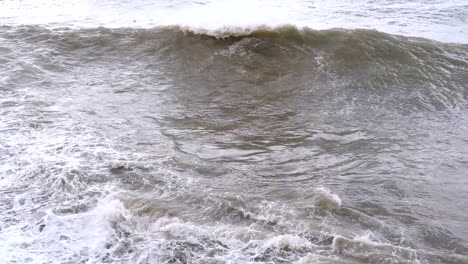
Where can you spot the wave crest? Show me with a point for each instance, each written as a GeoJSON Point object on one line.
{"type": "Point", "coordinates": [364, 67]}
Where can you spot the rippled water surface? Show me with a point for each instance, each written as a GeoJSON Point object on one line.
{"type": "Point", "coordinates": [247, 132]}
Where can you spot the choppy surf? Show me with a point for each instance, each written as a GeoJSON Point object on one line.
{"type": "Point", "coordinates": [257, 145]}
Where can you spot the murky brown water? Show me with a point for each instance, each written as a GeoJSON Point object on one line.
{"type": "Point", "coordinates": [281, 145]}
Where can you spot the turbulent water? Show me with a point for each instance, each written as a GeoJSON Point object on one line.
{"type": "Point", "coordinates": [243, 132]}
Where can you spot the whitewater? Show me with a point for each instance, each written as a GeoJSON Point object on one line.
{"type": "Point", "coordinates": [233, 131]}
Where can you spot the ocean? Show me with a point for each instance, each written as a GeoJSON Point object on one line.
{"type": "Point", "coordinates": [233, 131]}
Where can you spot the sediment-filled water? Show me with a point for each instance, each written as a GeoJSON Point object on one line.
{"type": "Point", "coordinates": [233, 132]}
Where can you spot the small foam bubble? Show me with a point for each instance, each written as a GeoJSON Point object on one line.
{"type": "Point", "coordinates": [366, 237]}
{"type": "Point", "coordinates": [291, 242]}
{"type": "Point", "coordinates": [326, 199]}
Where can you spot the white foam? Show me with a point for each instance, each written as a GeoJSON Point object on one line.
{"type": "Point", "coordinates": [62, 236]}
{"type": "Point", "coordinates": [313, 259]}
{"type": "Point", "coordinates": [240, 243]}
{"type": "Point", "coordinates": [231, 15]}
{"type": "Point", "coordinates": [292, 242]}
{"type": "Point", "coordinates": [367, 240]}
{"type": "Point", "coordinates": [327, 199]}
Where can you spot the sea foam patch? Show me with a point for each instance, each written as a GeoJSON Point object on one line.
{"type": "Point", "coordinates": [84, 236]}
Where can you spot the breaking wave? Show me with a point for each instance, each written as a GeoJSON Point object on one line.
{"type": "Point", "coordinates": [110, 172]}
{"type": "Point", "coordinates": [351, 67]}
